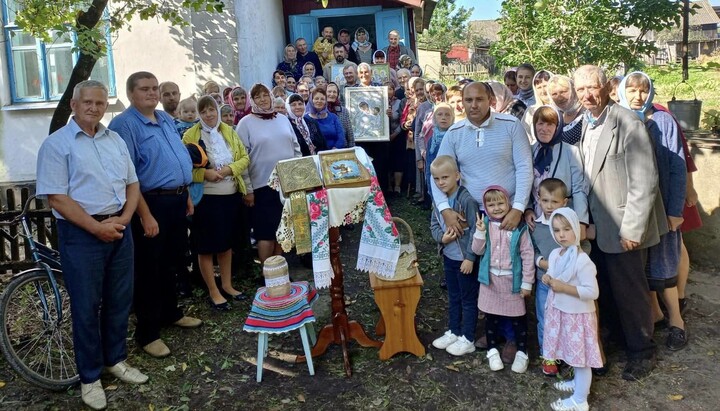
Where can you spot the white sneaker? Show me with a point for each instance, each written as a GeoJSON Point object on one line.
{"type": "Point", "coordinates": [93, 395]}
{"type": "Point", "coordinates": [521, 362]}
{"type": "Point", "coordinates": [494, 360]}
{"type": "Point", "coordinates": [445, 341]}
{"type": "Point", "coordinates": [565, 386]}
{"type": "Point", "coordinates": [126, 373]}
{"type": "Point", "coordinates": [559, 405]}
{"type": "Point", "coordinates": [461, 347]}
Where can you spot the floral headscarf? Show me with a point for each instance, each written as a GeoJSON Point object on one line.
{"type": "Point", "coordinates": [265, 114]}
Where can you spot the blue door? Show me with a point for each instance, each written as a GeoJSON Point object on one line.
{"type": "Point", "coordinates": [387, 20]}
{"type": "Point", "coordinates": [303, 25]}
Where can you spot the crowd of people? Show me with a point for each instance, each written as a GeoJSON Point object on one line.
{"type": "Point", "coordinates": [574, 189]}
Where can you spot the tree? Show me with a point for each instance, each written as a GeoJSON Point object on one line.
{"type": "Point", "coordinates": [560, 35]}
{"type": "Point", "coordinates": [47, 20]}
{"type": "Point", "coordinates": [448, 26]}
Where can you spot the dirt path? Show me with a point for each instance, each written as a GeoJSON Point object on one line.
{"type": "Point", "coordinates": [214, 367]}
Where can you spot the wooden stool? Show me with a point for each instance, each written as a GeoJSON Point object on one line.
{"type": "Point", "coordinates": [278, 315]}
{"type": "Point", "coordinates": [397, 301]}
{"type": "Point", "coordinates": [306, 331]}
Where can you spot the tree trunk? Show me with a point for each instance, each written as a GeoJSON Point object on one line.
{"type": "Point", "coordinates": [84, 66]}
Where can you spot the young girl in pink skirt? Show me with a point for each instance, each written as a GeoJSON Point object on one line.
{"type": "Point", "coordinates": [570, 320]}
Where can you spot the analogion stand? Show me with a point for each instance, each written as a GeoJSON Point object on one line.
{"type": "Point", "coordinates": [342, 329]}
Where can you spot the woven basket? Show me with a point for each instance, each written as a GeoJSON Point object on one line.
{"type": "Point", "coordinates": [407, 262]}
{"type": "Point", "coordinates": [277, 278]}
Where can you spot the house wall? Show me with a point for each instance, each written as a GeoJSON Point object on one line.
{"type": "Point", "coordinates": [261, 35]}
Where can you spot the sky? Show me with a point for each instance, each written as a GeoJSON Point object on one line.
{"type": "Point", "coordinates": [489, 9]}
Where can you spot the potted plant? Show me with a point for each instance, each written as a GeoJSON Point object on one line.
{"type": "Point", "coordinates": [712, 121]}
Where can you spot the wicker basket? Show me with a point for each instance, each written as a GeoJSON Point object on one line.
{"type": "Point", "coordinates": [407, 262]}
{"type": "Point", "coordinates": [277, 278]}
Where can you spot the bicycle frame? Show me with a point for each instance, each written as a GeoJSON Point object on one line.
{"type": "Point", "coordinates": [43, 257]}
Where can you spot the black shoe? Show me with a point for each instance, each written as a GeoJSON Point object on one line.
{"type": "Point", "coordinates": [599, 372]}
{"type": "Point", "coordinates": [219, 307]}
{"type": "Point", "coordinates": [443, 284]}
{"type": "Point", "coordinates": [638, 369]}
{"type": "Point", "coordinates": [677, 339]}
{"type": "Point", "coordinates": [683, 305]}
{"type": "Point", "coordinates": [236, 297]}
{"type": "Point", "coordinates": [661, 324]}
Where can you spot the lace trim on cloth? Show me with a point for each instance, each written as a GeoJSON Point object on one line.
{"type": "Point", "coordinates": [319, 226]}
{"type": "Point", "coordinates": [277, 281]}
{"type": "Point", "coordinates": [379, 243]}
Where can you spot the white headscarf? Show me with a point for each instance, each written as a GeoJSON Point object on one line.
{"type": "Point", "coordinates": [217, 149]}
{"type": "Point", "coordinates": [564, 270]}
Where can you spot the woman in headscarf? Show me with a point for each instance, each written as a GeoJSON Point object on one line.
{"type": "Point", "coordinates": [307, 130]}
{"type": "Point", "coordinates": [364, 49]}
{"type": "Point", "coordinates": [541, 98]}
{"type": "Point", "coordinates": [564, 99]}
{"type": "Point", "coordinates": [240, 103]}
{"type": "Point", "coordinates": [335, 106]}
{"type": "Point", "coordinates": [290, 64]}
{"type": "Point", "coordinates": [403, 76]}
{"type": "Point", "coordinates": [268, 138]}
{"type": "Point", "coordinates": [636, 93]}
{"type": "Point", "coordinates": [380, 58]}
{"type": "Point", "coordinates": [504, 102]}
{"type": "Point", "coordinates": [308, 70]}
{"type": "Point", "coordinates": [216, 214]}
{"type": "Point", "coordinates": [552, 158]}
{"type": "Point", "coordinates": [329, 125]}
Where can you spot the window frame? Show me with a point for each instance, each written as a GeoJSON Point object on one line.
{"type": "Point", "coordinates": [42, 49]}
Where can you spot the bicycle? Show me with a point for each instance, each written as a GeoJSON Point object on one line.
{"type": "Point", "coordinates": [36, 327]}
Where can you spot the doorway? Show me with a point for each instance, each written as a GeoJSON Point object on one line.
{"type": "Point", "coordinates": [351, 23]}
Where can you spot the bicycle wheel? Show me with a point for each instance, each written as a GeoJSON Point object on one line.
{"type": "Point", "coordinates": [35, 344]}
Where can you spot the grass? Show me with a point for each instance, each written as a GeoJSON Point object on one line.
{"type": "Point", "coordinates": [703, 77]}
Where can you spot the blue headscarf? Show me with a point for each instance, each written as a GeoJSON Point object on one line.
{"type": "Point", "coordinates": [544, 156]}
{"type": "Point", "coordinates": [648, 101]}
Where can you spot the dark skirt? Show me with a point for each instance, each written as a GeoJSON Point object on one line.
{"type": "Point", "coordinates": [265, 215]}
{"type": "Point", "coordinates": [663, 260]}
{"type": "Point", "coordinates": [397, 153]}
{"type": "Point", "coordinates": [214, 221]}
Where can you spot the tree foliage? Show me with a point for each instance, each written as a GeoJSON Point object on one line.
{"type": "Point", "coordinates": [448, 26]}
{"type": "Point", "coordinates": [50, 19]}
{"type": "Point", "coordinates": [560, 35]}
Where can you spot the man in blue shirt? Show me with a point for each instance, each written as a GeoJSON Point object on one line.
{"type": "Point", "coordinates": [85, 171]}
{"type": "Point", "coordinates": [164, 170]}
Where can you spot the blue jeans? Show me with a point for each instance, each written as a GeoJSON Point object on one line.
{"type": "Point", "coordinates": [99, 280]}
{"type": "Point", "coordinates": [462, 298]}
{"type": "Point", "coordinates": [541, 293]}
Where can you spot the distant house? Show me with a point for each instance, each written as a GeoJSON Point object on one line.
{"type": "Point", "coordinates": [242, 45]}
{"type": "Point", "coordinates": [703, 34]}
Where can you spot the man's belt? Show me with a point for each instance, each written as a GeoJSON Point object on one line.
{"type": "Point", "coordinates": [167, 191]}
{"type": "Point", "coordinates": [103, 217]}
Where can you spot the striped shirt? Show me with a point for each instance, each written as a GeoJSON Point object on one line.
{"type": "Point", "coordinates": [496, 153]}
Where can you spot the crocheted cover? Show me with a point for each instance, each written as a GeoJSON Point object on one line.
{"type": "Point", "coordinates": [282, 314]}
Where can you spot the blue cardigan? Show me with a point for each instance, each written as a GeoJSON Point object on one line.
{"type": "Point", "coordinates": [332, 130]}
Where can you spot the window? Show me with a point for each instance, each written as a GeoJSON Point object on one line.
{"type": "Point", "coordinates": [41, 71]}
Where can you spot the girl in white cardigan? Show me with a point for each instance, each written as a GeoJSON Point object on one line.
{"type": "Point", "coordinates": [570, 320]}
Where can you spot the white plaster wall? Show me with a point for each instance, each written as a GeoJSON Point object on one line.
{"type": "Point", "coordinates": [186, 55]}
{"type": "Point", "coordinates": [261, 38]}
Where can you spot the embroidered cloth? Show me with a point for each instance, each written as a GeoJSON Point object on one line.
{"type": "Point", "coordinates": [319, 218]}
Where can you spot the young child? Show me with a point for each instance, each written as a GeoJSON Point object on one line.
{"type": "Point", "coordinates": [187, 115]}
{"type": "Point", "coordinates": [459, 261]}
{"type": "Point", "coordinates": [443, 118]}
{"type": "Point", "coordinates": [570, 321]}
{"type": "Point", "coordinates": [226, 115]}
{"type": "Point", "coordinates": [552, 195]}
{"type": "Point", "coordinates": [506, 275]}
